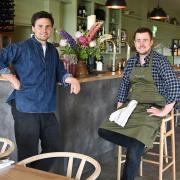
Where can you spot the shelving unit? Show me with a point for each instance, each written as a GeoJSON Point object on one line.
{"type": "Point", "coordinates": [176, 51]}
{"type": "Point", "coordinates": [114, 22]}
{"type": "Point", "coordinates": [132, 16]}
{"type": "Point", "coordinates": [72, 21]}
{"type": "Point", "coordinates": [111, 19]}
{"type": "Point", "coordinates": [165, 31]}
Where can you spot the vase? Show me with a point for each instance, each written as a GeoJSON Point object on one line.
{"type": "Point", "coordinates": [70, 62]}
{"type": "Point", "coordinates": [81, 68]}
{"type": "Point", "coordinates": [90, 64]}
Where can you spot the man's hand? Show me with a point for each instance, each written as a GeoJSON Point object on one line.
{"type": "Point", "coordinates": [156, 112]}
{"type": "Point", "coordinates": [161, 112]}
{"type": "Point", "coordinates": [74, 83]}
{"type": "Point", "coordinates": [15, 83]}
{"type": "Point", "coordinates": [119, 104]}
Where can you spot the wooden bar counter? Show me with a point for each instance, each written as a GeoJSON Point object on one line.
{"type": "Point", "coordinates": [81, 115]}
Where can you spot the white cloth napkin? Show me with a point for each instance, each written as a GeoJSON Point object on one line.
{"type": "Point", "coordinates": [121, 116]}
{"type": "Point", "coordinates": [6, 162]}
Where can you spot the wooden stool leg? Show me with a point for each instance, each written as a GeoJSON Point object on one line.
{"type": "Point", "coordinates": [141, 167]}
{"type": "Point", "coordinates": [161, 148]}
{"type": "Point", "coordinates": [119, 162]}
{"type": "Point", "coordinates": [173, 149]}
{"type": "Point", "coordinates": [176, 119]}
{"type": "Point", "coordinates": [165, 146]}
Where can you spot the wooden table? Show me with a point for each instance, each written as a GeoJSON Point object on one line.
{"type": "Point", "coordinates": [17, 172]}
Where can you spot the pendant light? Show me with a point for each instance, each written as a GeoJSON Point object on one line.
{"type": "Point", "coordinates": [116, 4]}
{"type": "Point", "coordinates": [158, 13]}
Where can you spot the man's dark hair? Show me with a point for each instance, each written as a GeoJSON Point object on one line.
{"type": "Point", "coordinates": [143, 30]}
{"type": "Point", "coordinates": [41, 14]}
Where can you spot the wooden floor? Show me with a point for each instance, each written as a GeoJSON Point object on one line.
{"type": "Point", "coordinates": [109, 167]}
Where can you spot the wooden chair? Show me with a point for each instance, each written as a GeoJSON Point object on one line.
{"type": "Point", "coordinates": [71, 156]}
{"type": "Point", "coordinates": [162, 158]}
{"type": "Point", "coordinates": [6, 147]}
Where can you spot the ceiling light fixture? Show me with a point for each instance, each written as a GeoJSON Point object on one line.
{"type": "Point", "coordinates": [116, 4]}
{"type": "Point", "coordinates": [158, 13]}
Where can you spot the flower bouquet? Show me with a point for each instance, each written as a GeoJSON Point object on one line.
{"type": "Point", "coordinates": [84, 45]}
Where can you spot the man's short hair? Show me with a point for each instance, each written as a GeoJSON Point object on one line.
{"type": "Point", "coordinates": [143, 30]}
{"type": "Point", "coordinates": [41, 14]}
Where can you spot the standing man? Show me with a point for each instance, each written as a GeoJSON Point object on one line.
{"type": "Point", "coordinates": [38, 69]}
{"type": "Point", "coordinates": [149, 79]}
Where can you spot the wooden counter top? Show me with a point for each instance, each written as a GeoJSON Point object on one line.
{"type": "Point", "coordinates": [102, 76]}
{"type": "Point", "coordinates": [2, 79]}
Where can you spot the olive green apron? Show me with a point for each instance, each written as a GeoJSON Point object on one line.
{"type": "Point", "coordinates": [140, 125]}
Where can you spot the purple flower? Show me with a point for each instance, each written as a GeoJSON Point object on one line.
{"type": "Point", "coordinates": [69, 39]}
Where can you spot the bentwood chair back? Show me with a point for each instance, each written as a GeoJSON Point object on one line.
{"type": "Point", "coordinates": [6, 147]}
{"type": "Point", "coordinates": [71, 157]}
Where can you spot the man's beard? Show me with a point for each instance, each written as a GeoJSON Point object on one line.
{"type": "Point", "coordinates": [145, 53]}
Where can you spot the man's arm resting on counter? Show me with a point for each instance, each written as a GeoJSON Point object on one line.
{"type": "Point", "coordinates": [74, 83]}
{"type": "Point", "coordinates": [161, 112]}
{"type": "Point", "coordinates": [15, 83]}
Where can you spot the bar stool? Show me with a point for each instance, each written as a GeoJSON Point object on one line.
{"type": "Point", "coordinates": [163, 158]}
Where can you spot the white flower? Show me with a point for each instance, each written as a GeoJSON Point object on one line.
{"type": "Point", "coordinates": [78, 34]}
{"type": "Point", "coordinates": [92, 43]}
{"type": "Point", "coordinates": [63, 42]}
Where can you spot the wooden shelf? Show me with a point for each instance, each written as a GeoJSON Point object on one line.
{"type": "Point", "coordinates": [22, 24]}
{"type": "Point", "coordinates": [132, 16]}
{"type": "Point", "coordinates": [115, 24]}
{"type": "Point", "coordinates": [82, 18]}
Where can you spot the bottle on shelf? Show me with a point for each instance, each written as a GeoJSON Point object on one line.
{"type": "Point", "coordinates": [113, 18]}
{"type": "Point", "coordinates": [113, 31]}
{"type": "Point", "coordinates": [110, 48]}
{"type": "Point", "coordinates": [80, 11]}
{"type": "Point", "coordinates": [84, 14]}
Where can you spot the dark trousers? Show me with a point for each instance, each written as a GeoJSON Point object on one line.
{"type": "Point", "coordinates": [32, 128]}
{"type": "Point", "coordinates": [135, 149]}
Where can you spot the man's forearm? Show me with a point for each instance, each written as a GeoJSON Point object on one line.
{"type": "Point", "coordinates": [168, 107]}
{"type": "Point", "coordinates": [13, 80]}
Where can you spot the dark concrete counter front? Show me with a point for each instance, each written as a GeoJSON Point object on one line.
{"type": "Point", "coordinates": [81, 115]}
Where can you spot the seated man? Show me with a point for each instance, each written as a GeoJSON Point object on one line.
{"type": "Point", "coordinates": [153, 84]}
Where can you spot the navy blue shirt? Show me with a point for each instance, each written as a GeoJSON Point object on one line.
{"type": "Point", "coordinates": [164, 77]}
{"type": "Point", "coordinates": [38, 75]}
